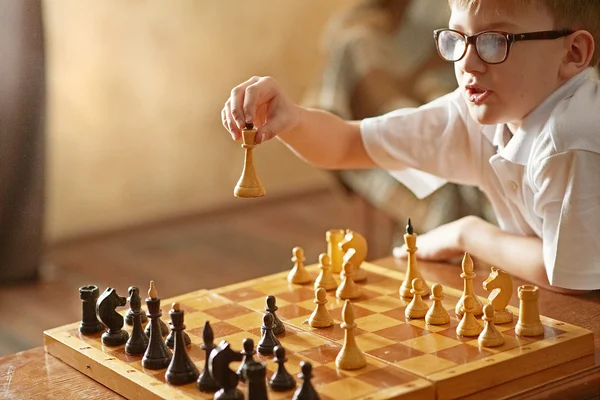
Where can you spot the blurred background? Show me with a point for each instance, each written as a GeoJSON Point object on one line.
{"type": "Point", "coordinates": [115, 168]}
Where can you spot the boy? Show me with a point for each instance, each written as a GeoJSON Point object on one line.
{"type": "Point", "coordinates": [524, 126]}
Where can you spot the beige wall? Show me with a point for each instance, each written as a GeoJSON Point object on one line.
{"type": "Point", "coordinates": [135, 93]}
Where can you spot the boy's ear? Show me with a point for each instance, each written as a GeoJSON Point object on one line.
{"type": "Point", "coordinates": [579, 48]}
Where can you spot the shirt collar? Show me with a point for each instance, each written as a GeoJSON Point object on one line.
{"type": "Point", "coordinates": [519, 147]}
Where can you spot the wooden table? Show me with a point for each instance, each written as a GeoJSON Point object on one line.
{"type": "Point", "coordinates": [37, 375]}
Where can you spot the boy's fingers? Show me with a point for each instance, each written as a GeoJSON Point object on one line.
{"type": "Point", "coordinates": [229, 123]}
{"type": "Point", "coordinates": [237, 99]}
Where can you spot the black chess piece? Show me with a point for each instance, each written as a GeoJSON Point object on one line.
{"type": "Point", "coordinates": [256, 372]}
{"type": "Point", "coordinates": [138, 341]}
{"type": "Point", "coordinates": [268, 341]}
{"type": "Point", "coordinates": [248, 353]}
{"type": "Point", "coordinates": [129, 315]}
{"type": "Point", "coordinates": [281, 379]}
{"type": "Point", "coordinates": [89, 321]}
{"type": "Point", "coordinates": [206, 383]}
{"type": "Point", "coordinates": [218, 366]}
{"type": "Point", "coordinates": [306, 391]}
{"type": "Point", "coordinates": [164, 329]}
{"type": "Point", "coordinates": [170, 340]}
{"type": "Point", "coordinates": [271, 307]}
{"type": "Point", "coordinates": [106, 306]}
{"type": "Point", "coordinates": [181, 370]}
{"type": "Point", "coordinates": [157, 355]}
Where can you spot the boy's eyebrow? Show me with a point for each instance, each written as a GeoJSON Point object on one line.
{"type": "Point", "coordinates": [488, 27]}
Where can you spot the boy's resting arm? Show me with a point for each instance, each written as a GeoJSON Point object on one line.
{"type": "Point", "coordinates": [327, 141]}
{"type": "Point", "coordinates": [520, 256]}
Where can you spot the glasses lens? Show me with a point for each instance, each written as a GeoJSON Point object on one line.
{"type": "Point", "coordinates": [451, 45]}
{"type": "Point", "coordinates": [492, 47]}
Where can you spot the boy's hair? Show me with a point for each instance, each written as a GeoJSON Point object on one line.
{"type": "Point", "coordinates": [567, 14]}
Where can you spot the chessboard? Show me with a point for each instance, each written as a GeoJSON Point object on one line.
{"type": "Point", "coordinates": [406, 358]}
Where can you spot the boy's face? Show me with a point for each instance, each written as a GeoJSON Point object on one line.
{"type": "Point", "coordinates": [507, 92]}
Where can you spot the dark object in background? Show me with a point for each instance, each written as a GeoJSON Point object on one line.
{"type": "Point", "coordinates": [22, 88]}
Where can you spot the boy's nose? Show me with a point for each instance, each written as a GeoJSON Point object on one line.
{"type": "Point", "coordinates": [471, 62]}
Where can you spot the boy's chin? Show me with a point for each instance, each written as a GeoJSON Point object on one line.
{"type": "Point", "coordinates": [485, 115]}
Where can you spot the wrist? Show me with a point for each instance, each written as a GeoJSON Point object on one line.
{"type": "Point", "coordinates": [467, 225]}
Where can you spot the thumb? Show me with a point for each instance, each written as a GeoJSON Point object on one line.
{"type": "Point", "coordinates": [268, 131]}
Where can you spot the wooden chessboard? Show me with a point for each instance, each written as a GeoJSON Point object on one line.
{"type": "Point", "coordinates": [406, 358]}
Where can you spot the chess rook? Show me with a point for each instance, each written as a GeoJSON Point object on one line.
{"type": "Point", "coordinates": [468, 275]}
{"type": "Point", "coordinates": [412, 268]}
{"type": "Point", "coordinates": [181, 370]}
{"type": "Point", "coordinates": [256, 373]}
{"type": "Point", "coordinates": [333, 237]}
{"type": "Point", "coordinates": [89, 321]}
{"type": "Point", "coordinates": [249, 185]}
{"type": "Point", "coordinates": [529, 323]}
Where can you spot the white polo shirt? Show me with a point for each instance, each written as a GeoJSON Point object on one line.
{"type": "Point", "coordinates": [545, 181]}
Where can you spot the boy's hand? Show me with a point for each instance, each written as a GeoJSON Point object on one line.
{"type": "Point", "coordinates": [260, 101]}
{"type": "Point", "coordinates": [440, 244]}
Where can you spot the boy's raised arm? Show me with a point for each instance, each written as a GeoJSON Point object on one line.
{"type": "Point", "coordinates": [318, 137]}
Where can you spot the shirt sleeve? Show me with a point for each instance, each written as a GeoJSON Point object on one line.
{"type": "Point", "coordinates": [568, 201]}
{"type": "Point", "coordinates": [427, 146]}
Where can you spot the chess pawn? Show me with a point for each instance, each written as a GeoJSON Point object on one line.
{"type": "Point", "coordinates": [412, 269]}
{"type": "Point", "coordinates": [281, 379]}
{"type": "Point", "coordinates": [268, 341]}
{"type": "Point", "coordinates": [333, 237]}
{"type": "Point", "coordinates": [417, 308]}
{"type": "Point", "coordinates": [529, 323]}
{"type": "Point", "coordinates": [500, 284]}
{"type": "Point", "coordinates": [348, 289]}
{"type": "Point", "coordinates": [89, 321]}
{"type": "Point", "coordinates": [130, 312]}
{"type": "Point", "coordinates": [320, 318]}
{"type": "Point", "coordinates": [298, 275]}
{"type": "Point", "coordinates": [490, 336]}
{"type": "Point", "coordinates": [248, 353]}
{"type": "Point", "coordinates": [256, 373]}
{"type": "Point", "coordinates": [468, 325]}
{"type": "Point", "coordinates": [325, 278]}
{"type": "Point", "coordinates": [138, 341]}
{"type": "Point", "coordinates": [354, 246]}
{"type": "Point", "coordinates": [350, 356]}
{"type": "Point", "coordinates": [271, 307]}
{"type": "Point", "coordinates": [249, 184]}
{"type": "Point", "coordinates": [468, 275]}
{"type": "Point", "coordinates": [437, 314]}
{"type": "Point", "coordinates": [306, 391]}
{"type": "Point", "coordinates": [181, 370]}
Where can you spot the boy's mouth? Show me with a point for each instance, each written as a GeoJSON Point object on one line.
{"type": "Point", "coordinates": [477, 94]}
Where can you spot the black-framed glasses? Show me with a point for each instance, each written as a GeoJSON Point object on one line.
{"type": "Point", "coordinates": [491, 46]}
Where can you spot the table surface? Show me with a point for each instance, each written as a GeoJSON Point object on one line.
{"type": "Point", "coordinates": [35, 374]}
